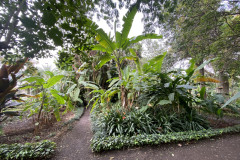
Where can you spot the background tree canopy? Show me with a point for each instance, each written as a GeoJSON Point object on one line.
{"type": "Point", "coordinates": [32, 28]}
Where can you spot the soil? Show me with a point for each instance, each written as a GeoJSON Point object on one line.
{"type": "Point", "coordinates": [21, 131]}
{"type": "Point", "coordinates": [75, 145]}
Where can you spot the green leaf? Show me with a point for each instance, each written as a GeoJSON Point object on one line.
{"type": "Point", "coordinates": [127, 25]}
{"type": "Point", "coordinates": [111, 94]}
{"type": "Point", "coordinates": [52, 81]}
{"type": "Point", "coordinates": [99, 47]}
{"type": "Point", "coordinates": [103, 60]}
{"type": "Point", "coordinates": [143, 37]}
{"type": "Point", "coordinates": [94, 104]}
{"type": "Point", "coordinates": [171, 96]}
{"type": "Point", "coordinates": [48, 18]}
{"type": "Point", "coordinates": [76, 94]}
{"type": "Point", "coordinates": [191, 67]}
{"type": "Point", "coordinates": [71, 88]}
{"type": "Point", "coordinates": [56, 36]}
{"type": "Point", "coordinates": [89, 85]}
{"type": "Point", "coordinates": [49, 73]}
{"type": "Point", "coordinates": [155, 64]}
{"type": "Point", "coordinates": [39, 80]}
{"type": "Point", "coordinates": [97, 91]}
{"type": "Point", "coordinates": [186, 86]}
{"type": "Point", "coordinates": [118, 37]}
{"type": "Point", "coordinates": [236, 96]}
{"type": "Point", "coordinates": [57, 114]}
{"type": "Point", "coordinates": [113, 82]}
{"type": "Point", "coordinates": [164, 102]}
{"type": "Point", "coordinates": [202, 92]}
{"type": "Point", "coordinates": [136, 60]}
{"type": "Point", "coordinates": [58, 97]}
{"type": "Point", "coordinates": [28, 22]}
{"type": "Point", "coordinates": [105, 41]}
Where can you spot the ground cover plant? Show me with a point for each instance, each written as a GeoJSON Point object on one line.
{"type": "Point", "coordinates": [40, 150]}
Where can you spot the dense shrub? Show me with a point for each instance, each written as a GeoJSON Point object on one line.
{"type": "Point", "coordinates": [169, 121]}
{"type": "Point", "coordinates": [115, 121]}
{"type": "Point", "coordinates": [39, 150]}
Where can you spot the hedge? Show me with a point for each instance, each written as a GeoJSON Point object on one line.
{"type": "Point", "coordinates": [39, 150]}
{"type": "Point", "coordinates": [99, 143]}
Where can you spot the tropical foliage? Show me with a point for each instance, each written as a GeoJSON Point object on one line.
{"type": "Point", "coordinates": [134, 99]}
{"type": "Point", "coordinates": [119, 50]}
{"type": "Point", "coordinates": [40, 150]}
{"type": "Point", "coordinates": [47, 99]}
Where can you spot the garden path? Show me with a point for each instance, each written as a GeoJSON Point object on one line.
{"type": "Point", "coordinates": [75, 145]}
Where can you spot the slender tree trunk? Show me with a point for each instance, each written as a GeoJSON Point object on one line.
{"type": "Point", "coordinates": [224, 84]}
{"type": "Point", "coordinates": [123, 98]}
{"type": "Point", "coordinates": [202, 72]}
{"type": "Point", "coordinates": [40, 111]}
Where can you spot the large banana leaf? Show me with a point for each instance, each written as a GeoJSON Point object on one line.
{"type": "Point", "coordinates": [76, 94]}
{"type": "Point", "coordinates": [128, 20]}
{"type": "Point", "coordinates": [104, 40]}
{"type": "Point", "coordinates": [137, 61]}
{"type": "Point", "coordinates": [190, 71]}
{"type": "Point", "coordinates": [204, 64]}
{"type": "Point", "coordinates": [89, 85]}
{"type": "Point", "coordinates": [58, 97]}
{"type": "Point", "coordinates": [70, 89]}
{"type": "Point", "coordinates": [191, 67]}
{"type": "Point", "coordinates": [101, 37]}
{"type": "Point", "coordinates": [99, 47]}
{"type": "Point", "coordinates": [236, 96]}
{"type": "Point", "coordinates": [37, 79]}
{"type": "Point", "coordinates": [145, 36]}
{"type": "Point", "coordinates": [104, 59]}
{"type": "Point", "coordinates": [52, 81]}
{"type": "Point", "coordinates": [118, 37]}
{"type": "Point", "coordinates": [155, 64]}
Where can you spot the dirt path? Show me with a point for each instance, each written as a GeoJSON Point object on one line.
{"type": "Point", "coordinates": [75, 145]}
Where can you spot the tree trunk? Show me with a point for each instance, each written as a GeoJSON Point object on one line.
{"type": "Point", "coordinates": [123, 98]}
{"type": "Point", "coordinates": [223, 87]}
{"type": "Point", "coordinates": [202, 84]}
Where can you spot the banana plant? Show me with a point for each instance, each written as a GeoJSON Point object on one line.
{"type": "Point", "coordinates": [48, 98]}
{"type": "Point", "coordinates": [118, 49]}
{"type": "Point", "coordinates": [75, 89]}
